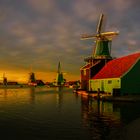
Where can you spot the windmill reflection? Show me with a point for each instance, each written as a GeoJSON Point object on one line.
{"type": "Point", "coordinates": [4, 93]}
{"type": "Point", "coordinates": [59, 97]}
{"type": "Point", "coordinates": [32, 95]}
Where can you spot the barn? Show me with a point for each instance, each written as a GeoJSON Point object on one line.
{"type": "Point", "coordinates": [120, 76]}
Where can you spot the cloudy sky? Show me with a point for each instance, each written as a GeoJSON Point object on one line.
{"type": "Point", "coordinates": [40, 33]}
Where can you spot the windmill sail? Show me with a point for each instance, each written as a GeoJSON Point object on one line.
{"type": "Point", "coordinates": [100, 23]}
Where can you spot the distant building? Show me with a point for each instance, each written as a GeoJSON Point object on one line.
{"type": "Point", "coordinates": [33, 81]}
{"type": "Point", "coordinates": [40, 83]}
{"type": "Point", "coordinates": [120, 76]}
{"type": "Point", "coordinates": [12, 83]}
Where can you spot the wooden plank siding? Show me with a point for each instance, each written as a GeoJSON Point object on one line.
{"type": "Point", "coordinates": [106, 85]}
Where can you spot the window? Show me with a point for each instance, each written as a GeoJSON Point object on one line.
{"type": "Point", "coordinates": [84, 71]}
{"type": "Point", "coordinates": [109, 81]}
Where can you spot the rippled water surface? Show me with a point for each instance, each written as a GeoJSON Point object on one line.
{"type": "Point", "coordinates": [43, 113]}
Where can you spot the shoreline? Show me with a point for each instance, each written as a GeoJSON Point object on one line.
{"type": "Point", "coordinates": [109, 98]}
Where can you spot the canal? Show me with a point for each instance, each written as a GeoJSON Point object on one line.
{"type": "Point", "coordinates": [43, 113]}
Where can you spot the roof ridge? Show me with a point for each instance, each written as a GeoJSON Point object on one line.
{"type": "Point", "coordinates": [127, 55]}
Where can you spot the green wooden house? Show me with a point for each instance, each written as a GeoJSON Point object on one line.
{"type": "Point", "coordinates": [119, 76]}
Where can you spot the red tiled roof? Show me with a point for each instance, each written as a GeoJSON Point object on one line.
{"type": "Point", "coordinates": [117, 67]}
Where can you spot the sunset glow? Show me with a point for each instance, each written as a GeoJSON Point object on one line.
{"type": "Point", "coordinates": [43, 32]}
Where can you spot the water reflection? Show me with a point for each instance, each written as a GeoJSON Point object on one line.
{"type": "Point", "coordinates": [104, 120]}
{"type": "Point", "coordinates": [59, 98]}
{"type": "Point", "coordinates": [60, 114]}
{"type": "Point", "coordinates": [100, 118]}
{"type": "Point", "coordinates": [128, 111]}
{"type": "Point", "coordinates": [32, 95]}
{"type": "Point", "coordinates": [3, 94]}
{"type": "Point", "coordinates": [57, 92]}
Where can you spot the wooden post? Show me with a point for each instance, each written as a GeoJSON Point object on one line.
{"type": "Point", "coordinates": [98, 92]}
{"type": "Point", "coordinates": [98, 100]}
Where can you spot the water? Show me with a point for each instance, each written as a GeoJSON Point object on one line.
{"type": "Point", "coordinates": [59, 114]}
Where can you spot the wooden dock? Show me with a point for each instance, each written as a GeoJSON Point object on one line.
{"type": "Point", "coordinates": [126, 98]}
{"type": "Point", "coordinates": [108, 97]}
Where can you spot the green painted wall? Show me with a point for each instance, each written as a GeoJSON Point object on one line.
{"type": "Point", "coordinates": [59, 79]}
{"type": "Point", "coordinates": [102, 48]}
{"type": "Point", "coordinates": [130, 82]}
{"type": "Point", "coordinates": [106, 85]}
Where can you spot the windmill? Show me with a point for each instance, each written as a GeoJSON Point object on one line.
{"type": "Point", "coordinates": [32, 79]}
{"type": "Point", "coordinates": [101, 54]}
{"type": "Point", "coordinates": [59, 78]}
{"type": "Point", "coordinates": [4, 79]}
{"type": "Point", "coordinates": [103, 41]}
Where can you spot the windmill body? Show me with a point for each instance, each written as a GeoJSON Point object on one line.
{"type": "Point", "coordinates": [102, 50]}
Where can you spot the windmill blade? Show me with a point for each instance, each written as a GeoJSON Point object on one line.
{"type": "Point", "coordinates": [109, 33]}
{"type": "Point", "coordinates": [85, 36]}
{"type": "Point", "coordinates": [59, 67]}
{"type": "Point", "coordinates": [99, 26]}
